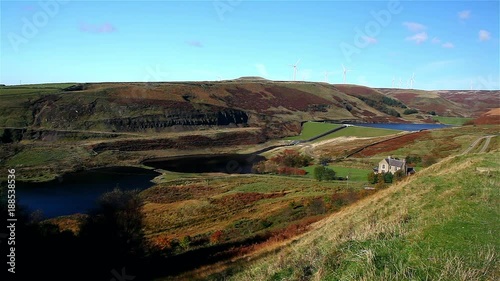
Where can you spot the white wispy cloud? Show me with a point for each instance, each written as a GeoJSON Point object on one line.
{"type": "Point", "coordinates": [448, 45]}
{"type": "Point", "coordinates": [418, 38]}
{"type": "Point", "coordinates": [370, 40]}
{"type": "Point", "coordinates": [436, 40]}
{"type": "Point", "coordinates": [261, 69]}
{"type": "Point", "coordinates": [463, 15]}
{"type": "Point", "coordinates": [484, 35]}
{"type": "Point", "coordinates": [414, 26]}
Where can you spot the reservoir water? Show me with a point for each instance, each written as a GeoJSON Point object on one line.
{"type": "Point", "coordinates": [222, 163]}
{"type": "Point", "coordinates": [78, 192]}
{"type": "Point", "coordinates": [403, 127]}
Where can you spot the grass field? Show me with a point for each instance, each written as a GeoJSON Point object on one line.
{"type": "Point", "coordinates": [456, 121]}
{"type": "Point", "coordinates": [312, 129]}
{"type": "Point", "coordinates": [441, 224]}
{"type": "Point", "coordinates": [355, 174]}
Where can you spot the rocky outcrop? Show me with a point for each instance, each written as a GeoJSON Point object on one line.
{"type": "Point", "coordinates": [54, 112]}
{"type": "Point", "coordinates": [175, 118]}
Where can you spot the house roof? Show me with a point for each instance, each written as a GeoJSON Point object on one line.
{"type": "Point", "coordinates": [395, 162]}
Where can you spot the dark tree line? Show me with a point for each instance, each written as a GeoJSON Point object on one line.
{"type": "Point", "coordinates": [110, 243]}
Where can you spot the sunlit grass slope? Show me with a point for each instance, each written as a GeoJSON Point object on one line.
{"type": "Point", "coordinates": [441, 224]}
{"type": "Point", "coordinates": [312, 129]}
{"type": "Point", "coordinates": [457, 121]}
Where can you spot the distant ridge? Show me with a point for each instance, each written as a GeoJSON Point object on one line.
{"type": "Point", "coordinates": [252, 78]}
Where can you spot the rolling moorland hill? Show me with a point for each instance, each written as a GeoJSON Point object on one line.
{"type": "Point", "coordinates": [276, 107]}
{"type": "Point", "coordinates": [490, 117]}
{"type": "Point", "coordinates": [438, 225]}
{"type": "Point", "coordinates": [447, 103]}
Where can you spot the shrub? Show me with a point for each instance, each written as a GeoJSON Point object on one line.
{"type": "Point", "coordinates": [393, 102]}
{"type": "Point", "coordinates": [291, 158]}
{"type": "Point", "coordinates": [322, 173]}
{"type": "Point", "coordinates": [388, 177]}
{"type": "Point", "coordinates": [410, 111]}
{"type": "Point", "coordinates": [429, 160]}
{"type": "Point", "coordinates": [185, 242]}
{"type": "Point", "coordinates": [398, 175]}
{"type": "Point", "coordinates": [316, 206]}
{"type": "Point", "coordinates": [265, 167]}
{"type": "Point", "coordinates": [372, 178]}
{"type": "Point", "coordinates": [413, 159]}
{"type": "Point", "coordinates": [291, 171]}
{"type": "Point", "coordinates": [216, 237]}
{"type": "Point", "coordinates": [285, 163]}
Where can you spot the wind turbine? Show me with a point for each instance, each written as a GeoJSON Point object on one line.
{"type": "Point", "coordinates": [412, 79]}
{"type": "Point", "coordinates": [326, 76]}
{"type": "Point", "coordinates": [345, 70]}
{"type": "Point", "coordinates": [295, 68]}
{"type": "Point", "coordinates": [471, 85]}
{"type": "Point", "coordinates": [393, 79]}
{"type": "Point", "coordinates": [400, 82]}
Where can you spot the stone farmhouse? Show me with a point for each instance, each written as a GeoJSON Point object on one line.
{"type": "Point", "coordinates": [392, 165]}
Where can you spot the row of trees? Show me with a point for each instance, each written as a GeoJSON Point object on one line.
{"type": "Point", "coordinates": [410, 111]}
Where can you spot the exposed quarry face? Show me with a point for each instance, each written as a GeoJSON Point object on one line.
{"type": "Point", "coordinates": [178, 117]}
{"type": "Point", "coordinates": [118, 115]}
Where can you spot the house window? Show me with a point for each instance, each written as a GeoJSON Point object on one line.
{"type": "Point", "coordinates": [383, 166]}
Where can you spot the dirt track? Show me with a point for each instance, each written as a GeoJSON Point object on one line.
{"type": "Point", "coordinates": [476, 142]}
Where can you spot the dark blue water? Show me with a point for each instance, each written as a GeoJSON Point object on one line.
{"type": "Point", "coordinates": [78, 192]}
{"type": "Point", "coordinates": [221, 163]}
{"type": "Point", "coordinates": [403, 127]}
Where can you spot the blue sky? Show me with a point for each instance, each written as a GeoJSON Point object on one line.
{"type": "Point", "coordinates": [446, 44]}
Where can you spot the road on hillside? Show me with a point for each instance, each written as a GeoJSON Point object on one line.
{"type": "Point", "coordinates": [486, 144]}
{"type": "Point", "coordinates": [476, 142]}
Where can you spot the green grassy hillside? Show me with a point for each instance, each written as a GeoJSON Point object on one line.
{"type": "Point", "coordinates": [358, 131]}
{"type": "Point", "coordinates": [312, 129]}
{"type": "Point", "coordinates": [457, 121]}
{"type": "Point", "coordinates": [441, 224]}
